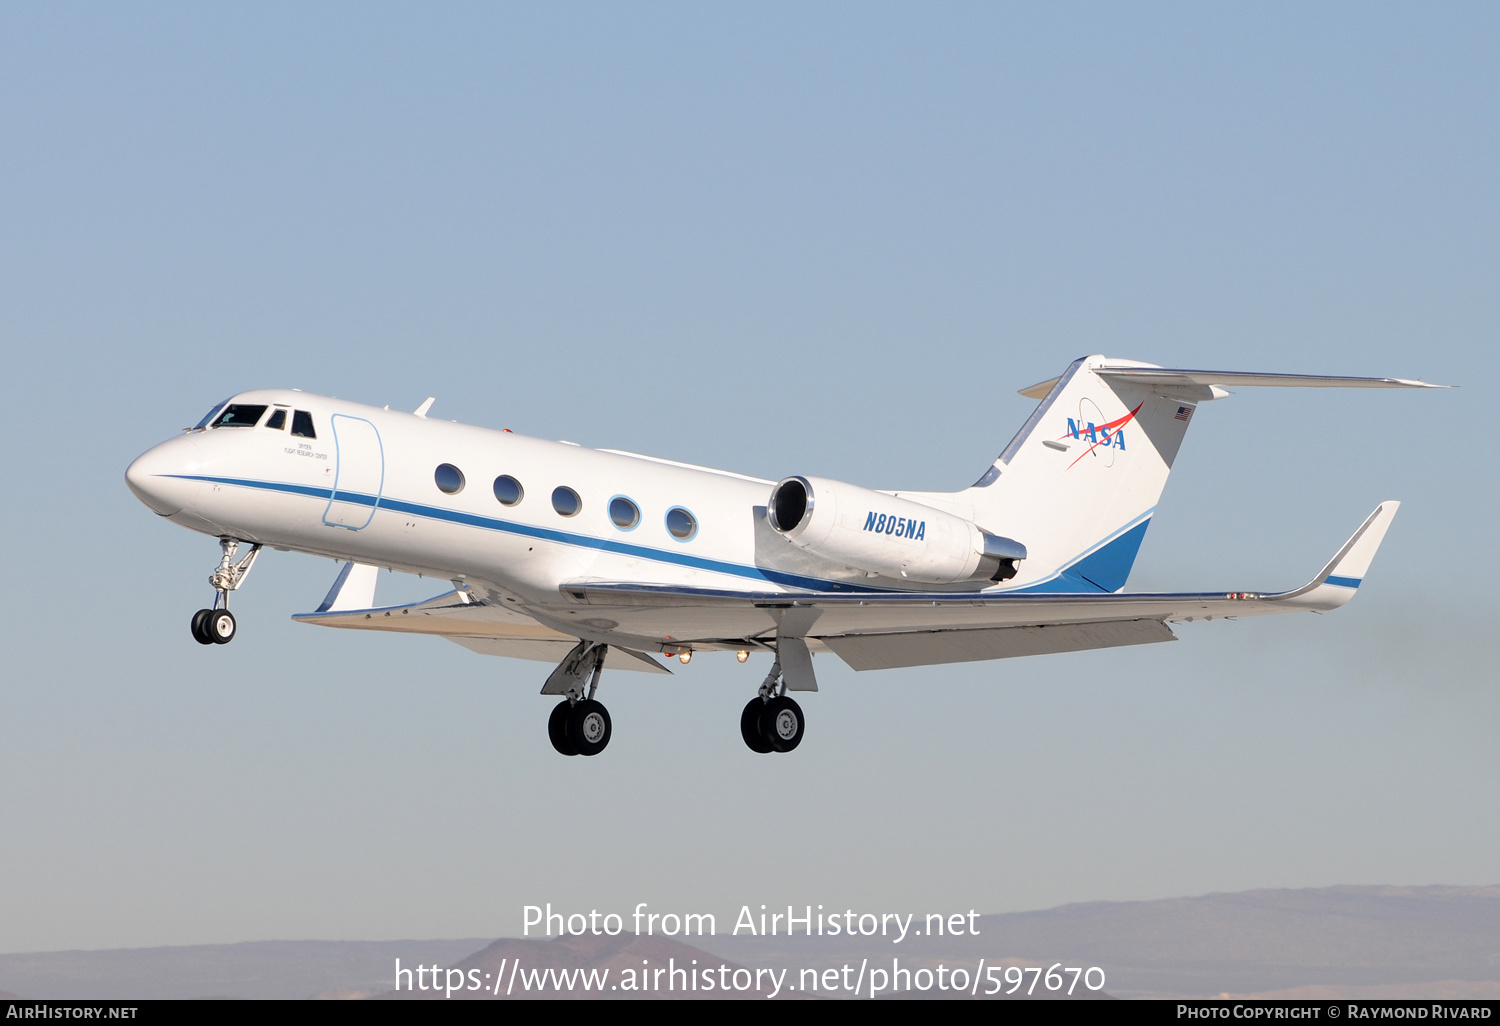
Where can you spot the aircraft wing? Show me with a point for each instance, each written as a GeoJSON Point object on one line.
{"type": "Point", "coordinates": [878, 630]}
{"type": "Point", "coordinates": [480, 627]}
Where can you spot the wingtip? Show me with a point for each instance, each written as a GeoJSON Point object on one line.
{"type": "Point", "coordinates": [1349, 566]}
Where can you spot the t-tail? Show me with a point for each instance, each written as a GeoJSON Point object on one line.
{"type": "Point", "coordinates": [1079, 482]}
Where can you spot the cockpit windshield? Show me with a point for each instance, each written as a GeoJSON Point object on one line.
{"type": "Point", "coordinates": [210, 415]}
{"type": "Point", "coordinates": [240, 415]}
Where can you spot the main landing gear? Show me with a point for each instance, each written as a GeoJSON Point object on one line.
{"type": "Point", "coordinates": [217, 626]}
{"type": "Point", "coordinates": [772, 722]}
{"type": "Point", "coordinates": [578, 724]}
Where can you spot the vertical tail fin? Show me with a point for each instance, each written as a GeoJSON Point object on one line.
{"type": "Point", "coordinates": [1079, 482]}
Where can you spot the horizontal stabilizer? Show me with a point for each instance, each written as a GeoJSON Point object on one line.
{"type": "Point", "coordinates": [1169, 377]}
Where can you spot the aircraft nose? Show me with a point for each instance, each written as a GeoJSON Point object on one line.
{"type": "Point", "coordinates": [156, 476]}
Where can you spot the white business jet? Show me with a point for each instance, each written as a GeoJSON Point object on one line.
{"type": "Point", "coordinates": [595, 558]}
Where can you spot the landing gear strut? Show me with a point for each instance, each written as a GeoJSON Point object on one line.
{"type": "Point", "coordinates": [578, 724]}
{"type": "Point", "coordinates": [217, 626]}
{"type": "Point", "coordinates": [772, 722]}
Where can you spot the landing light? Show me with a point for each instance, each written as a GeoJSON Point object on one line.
{"type": "Point", "coordinates": [686, 658]}
{"type": "Point", "coordinates": [742, 655]}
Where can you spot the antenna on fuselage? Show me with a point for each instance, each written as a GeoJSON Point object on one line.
{"type": "Point", "coordinates": [421, 411]}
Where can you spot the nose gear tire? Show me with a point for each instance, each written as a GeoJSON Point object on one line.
{"type": "Point", "coordinates": [220, 626]}
{"type": "Point", "coordinates": [200, 627]}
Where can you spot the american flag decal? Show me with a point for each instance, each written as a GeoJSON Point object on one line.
{"type": "Point", "coordinates": [1184, 412]}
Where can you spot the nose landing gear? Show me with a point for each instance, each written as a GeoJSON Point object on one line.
{"type": "Point", "coordinates": [772, 722]}
{"type": "Point", "coordinates": [217, 626]}
{"type": "Point", "coordinates": [578, 725]}
{"type": "Point", "coordinates": [213, 626]}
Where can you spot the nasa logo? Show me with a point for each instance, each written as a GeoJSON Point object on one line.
{"type": "Point", "coordinates": [1108, 436]}
{"type": "Point", "coordinates": [901, 527]}
{"type": "Point", "coordinates": [1099, 435]}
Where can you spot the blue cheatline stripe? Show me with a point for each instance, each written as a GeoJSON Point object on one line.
{"type": "Point", "coordinates": [544, 534]}
{"type": "Point", "coordinates": [1128, 542]}
{"type": "Point", "coordinates": [1345, 582]}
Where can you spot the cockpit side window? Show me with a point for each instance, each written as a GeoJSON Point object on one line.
{"type": "Point", "coordinates": [302, 425]}
{"type": "Point", "coordinates": [210, 415]}
{"type": "Point", "coordinates": [277, 420]}
{"type": "Point", "coordinates": [240, 415]}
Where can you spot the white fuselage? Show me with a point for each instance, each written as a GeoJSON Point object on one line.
{"type": "Point", "coordinates": [364, 490]}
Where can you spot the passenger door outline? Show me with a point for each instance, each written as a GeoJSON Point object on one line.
{"type": "Point", "coordinates": [359, 458]}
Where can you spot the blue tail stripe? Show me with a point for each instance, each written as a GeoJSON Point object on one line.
{"type": "Point", "coordinates": [1103, 570]}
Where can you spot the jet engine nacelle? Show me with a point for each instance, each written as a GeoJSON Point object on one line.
{"type": "Point", "coordinates": [887, 536]}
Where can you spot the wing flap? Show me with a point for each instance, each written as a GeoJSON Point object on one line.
{"type": "Point", "coordinates": [554, 651]}
{"type": "Point", "coordinates": [926, 648]}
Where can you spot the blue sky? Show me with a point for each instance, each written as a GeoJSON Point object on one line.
{"type": "Point", "coordinates": [777, 239]}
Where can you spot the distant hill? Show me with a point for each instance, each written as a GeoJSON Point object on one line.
{"type": "Point", "coordinates": [1341, 940]}
{"type": "Point", "coordinates": [259, 969]}
{"type": "Point", "coordinates": [1397, 942]}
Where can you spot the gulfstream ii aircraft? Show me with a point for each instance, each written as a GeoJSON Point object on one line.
{"type": "Point", "coordinates": [595, 558]}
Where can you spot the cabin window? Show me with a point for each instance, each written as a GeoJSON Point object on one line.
{"type": "Point", "coordinates": [240, 415]}
{"type": "Point", "coordinates": [623, 513]}
{"type": "Point", "coordinates": [449, 478]}
{"type": "Point", "coordinates": [277, 420]}
{"type": "Point", "coordinates": [508, 490]}
{"type": "Point", "coordinates": [681, 524]}
{"type": "Point", "coordinates": [566, 501]}
{"type": "Point", "coordinates": [302, 425]}
{"type": "Point", "coordinates": [210, 415]}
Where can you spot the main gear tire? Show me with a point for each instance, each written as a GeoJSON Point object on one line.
{"type": "Point", "coordinates": [557, 728]}
{"type": "Point", "coordinates": [750, 727]}
{"type": "Point", "coordinates": [589, 727]}
{"type": "Point", "coordinates": [781, 724]}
